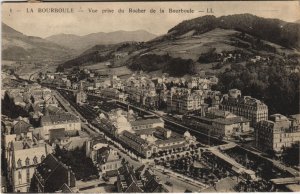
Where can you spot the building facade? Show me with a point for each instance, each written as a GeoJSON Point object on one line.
{"type": "Point", "coordinates": [182, 100]}
{"type": "Point", "coordinates": [219, 123]}
{"type": "Point", "coordinates": [277, 133]}
{"type": "Point", "coordinates": [245, 106]}
{"type": "Point", "coordinates": [105, 158]}
{"type": "Point", "coordinates": [66, 121]}
{"type": "Point", "coordinates": [23, 157]}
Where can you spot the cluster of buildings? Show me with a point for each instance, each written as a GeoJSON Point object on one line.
{"type": "Point", "coordinates": [23, 153]}
{"type": "Point", "coordinates": [29, 140]}
{"type": "Point", "coordinates": [177, 93]}
{"type": "Point", "coordinates": [271, 133]}
{"type": "Point", "coordinates": [229, 115]}
{"type": "Point", "coordinates": [145, 137]}
{"type": "Point", "coordinates": [277, 133]}
{"type": "Point", "coordinates": [193, 95]}
{"type": "Point", "coordinates": [246, 106]}
{"type": "Point", "coordinates": [51, 175]}
{"type": "Point", "coordinates": [141, 90]}
{"type": "Point", "coordinates": [219, 123]}
{"type": "Point", "coordinates": [57, 79]}
{"type": "Point", "coordinates": [138, 181]}
{"type": "Point", "coordinates": [106, 159]}
{"type": "Point", "coordinates": [183, 100]}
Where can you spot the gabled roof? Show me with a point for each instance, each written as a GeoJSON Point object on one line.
{"type": "Point", "coordinates": [21, 127]}
{"type": "Point", "coordinates": [52, 110]}
{"type": "Point", "coordinates": [141, 170]}
{"type": "Point", "coordinates": [129, 181]}
{"type": "Point", "coordinates": [230, 121]}
{"type": "Point", "coordinates": [145, 131]}
{"type": "Point", "coordinates": [98, 139]}
{"type": "Point", "coordinates": [134, 137]}
{"type": "Point", "coordinates": [53, 174]}
{"type": "Point", "coordinates": [65, 189]}
{"type": "Point", "coordinates": [133, 188]}
{"type": "Point", "coordinates": [106, 154]}
{"type": "Point", "coordinates": [64, 117]}
{"type": "Point", "coordinates": [145, 122]}
{"type": "Point", "coordinates": [56, 134]}
{"type": "Point", "coordinates": [153, 186]}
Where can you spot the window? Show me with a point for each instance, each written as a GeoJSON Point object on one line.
{"type": "Point", "coordinates": [27, 161]}
{"type": "Point", "coordinates": [20, 177]}
{"type": "Point", "coordinates": [28, 175]}
{"type": "Point", "coordinates": [19, 163]}
{"type": "Point", "coordinates": [35, 161]}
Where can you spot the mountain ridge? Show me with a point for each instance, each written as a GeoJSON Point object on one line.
{"type": "Point", "coordinates": [18, 46]}
{"type": "Point", "coordinates": [86, 41]}
{"type": "Point", "coordinates": [192, 41]}
{"type": "Point", "coordinates": [273, 30]}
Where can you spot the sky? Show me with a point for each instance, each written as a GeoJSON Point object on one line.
{"type": "Point", "coordinates": [81, 23]}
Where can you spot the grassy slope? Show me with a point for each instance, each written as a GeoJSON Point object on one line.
{"type": "Point", "coordinates": [186, 46]}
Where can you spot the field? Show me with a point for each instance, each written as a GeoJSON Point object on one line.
{"type": "Point", "coordinates": [102, 68]}
{"type": "Point", "coordinates": [190, 47]}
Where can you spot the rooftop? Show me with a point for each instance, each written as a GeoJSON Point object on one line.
{"type": "Point", "coordinates": [21, 127]}
{"type": "Point", "coordinates": [230, 121]}
{"type": "Point", "coordinates": [106, 154]}
{"type": "Point", "coordinates": [58, 118]}
{"type": "Point", "coordinates": [49, 171]}
{"type": "Point", "coordinates": [134, 137]}
{"type": "Point", "coordinates": [149, 131]}
{"type": "Point", "coordinates": [145, 122]}
{"type": "Point", "coordinates": [128, 180]}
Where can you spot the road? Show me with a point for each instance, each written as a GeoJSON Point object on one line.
{"type": "Point", "coordinates": [178, 184]}
{"type": "Point", "coordinates": [70, 109]}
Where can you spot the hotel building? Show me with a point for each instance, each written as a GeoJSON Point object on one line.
{"type": "Point", "coordinates": [245, 106]}
{"type": "Point", "coordinates": [277, 133]}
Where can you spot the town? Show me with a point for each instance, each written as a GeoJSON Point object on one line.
{"type": "Point", "coordinates": [82, 131]}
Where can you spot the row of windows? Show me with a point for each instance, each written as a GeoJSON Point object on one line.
{"type": "Point", "coordinates": [247, 107]}
{"type": "Point", "coordinates": [110, 166]}
{"type": "Point", "coordinates": [27, 161]}
{"type": "Point", "coordinates": [170, 144]}
{"type": "Point", "coordinates": [142, 127]}
{"type": "Point", "coordinates": [28, 177]}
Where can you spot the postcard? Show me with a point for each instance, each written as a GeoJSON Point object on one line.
{"type": "Point", "coordinates": [150, 97]}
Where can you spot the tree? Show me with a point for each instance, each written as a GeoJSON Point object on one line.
{"type": "Point", "coordinates": [290, 155]}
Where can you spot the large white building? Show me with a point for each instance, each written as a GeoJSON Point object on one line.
{"type": "Point", "coordinates": [66, 121]}
{"type": "Point", "coordinates": [219, 123]}
{"type": "Point", "coordinates": [246, 106]}
{"type": "Point", "coordinates": [277, 133]}
{"type": "Point", "coordinates": [23, 156]}
{"type": "Point", "coordinates": [182, 100]}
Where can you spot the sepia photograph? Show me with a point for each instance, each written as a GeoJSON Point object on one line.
{"type": "Point", "coordinates": [150, 97]}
